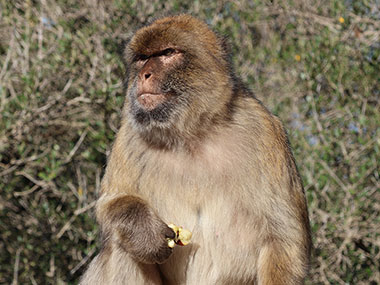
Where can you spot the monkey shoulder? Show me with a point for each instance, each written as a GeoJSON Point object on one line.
{"type": "Point", "coordinates": [256, 120]}
{"type": "Point", "coordinates": [262, 135]}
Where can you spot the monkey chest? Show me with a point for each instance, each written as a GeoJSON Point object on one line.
{"type": "Point", "coordinates": [213, 204]}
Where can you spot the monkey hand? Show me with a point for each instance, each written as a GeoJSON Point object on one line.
{"type": "Point", "coordinates": [148, 243]}
{"type": "Point", "coordinates": [182, 236]}
{"type": "Point", "coordinates": [139, 230]}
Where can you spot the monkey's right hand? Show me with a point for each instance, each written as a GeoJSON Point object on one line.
{"type": "Point", "coordinates": [139, 230]}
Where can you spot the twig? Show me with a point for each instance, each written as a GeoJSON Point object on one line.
{"type": "Point", "coordinates": [333, 175]}
{"type": "Point", "coordinates": [67, 86]}
{"type": "Point", "coordinates": [363, 177]}
{"type": "Point", "coordinates": [316, 119]}
{"type": "Point", "coordinates": [65, 227]}
{"type": "Point", "coordinates": [76, 213]}
{"type": "Point", "coordinates": [78, 100]}
{"type": "Point", "coordinates": [31, 278]}
{"type": "Point", "coordinates": [18, 162]}
{"type": "Point", "coordinates": [35, 181]}
{"type": "Point", "coordinates": [84, 209]}
{"type": "Point", "coordinates": [8, 170]}
{"type": "Point", "coordinates": [324, 21]}
{"type": "Point", "coordinates": [357, 152]}
{"type": "Point", "coordinates": [8, 57]}
{"type": "Point", "coordinates": [77, 145]}
{"type": "Point", "coordinates": [16, 267]}
{"type": "Point", "coordinates": [361, 19]}
{"type": "Point", "coordinates": [27, 192]}
{"type": "Point", "coordinates": [51, 271]}
{"type": "Point", "coordinates": [83, 261]}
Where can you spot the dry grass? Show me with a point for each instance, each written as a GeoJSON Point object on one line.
{"type": "Point", "coordinates": [60, 103]}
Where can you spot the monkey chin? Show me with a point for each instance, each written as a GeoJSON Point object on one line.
{"type": "Point", "coordinates": [150, 101]}
{"type": "Point", "coordinates": [150, 111]}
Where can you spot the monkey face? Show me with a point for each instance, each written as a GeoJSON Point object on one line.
{"type": "Point", "coordinates": [178, 78]}
{"type": "Point", "coordinates": [157, 88]}
{"type": "Point", "coordinates": [151, 77]}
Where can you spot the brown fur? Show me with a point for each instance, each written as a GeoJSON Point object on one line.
{"type": "Point", "coordinates": [204, 154]}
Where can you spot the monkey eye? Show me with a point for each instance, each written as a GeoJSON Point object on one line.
{"type": "Point", "coordinates": [141, 57]}
{"type": "Point", "coordinates": [167, 52]}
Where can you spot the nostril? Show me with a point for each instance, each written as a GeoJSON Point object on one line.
{"type": "Point", "coordinates": [147, 75]}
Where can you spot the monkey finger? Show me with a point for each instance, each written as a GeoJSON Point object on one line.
{"type": "Point", "coordinates": [169, 233]}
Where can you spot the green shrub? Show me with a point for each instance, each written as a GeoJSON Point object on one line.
{"type": "Point", "coordinates": [314, 63]}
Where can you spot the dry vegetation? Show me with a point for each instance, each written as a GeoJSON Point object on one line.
{"type": "Point", "coordinates": [314, 63]}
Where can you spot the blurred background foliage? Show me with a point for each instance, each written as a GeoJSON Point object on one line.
{"type": "Point", "coordinates": [315, 64]}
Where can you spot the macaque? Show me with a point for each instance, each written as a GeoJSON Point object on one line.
{"type": "Point", "coordinates": [197, 149]}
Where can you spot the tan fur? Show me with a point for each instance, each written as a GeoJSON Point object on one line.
{"type": "Point", "coordinates": [226, 173]}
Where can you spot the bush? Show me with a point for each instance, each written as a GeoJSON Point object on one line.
{"type": "Point", "coordinates": [313, 63]}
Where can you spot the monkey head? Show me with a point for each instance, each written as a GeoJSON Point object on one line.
{"type": "Point", "coordinates": [178, 78]}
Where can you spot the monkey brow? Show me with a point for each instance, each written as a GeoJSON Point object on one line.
{"type": "Point", "coordinates": [164, 52]}
{"type": "Point", "coordinates": [140, 57]}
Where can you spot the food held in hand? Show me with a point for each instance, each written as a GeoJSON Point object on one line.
{"type": "Point", "coordinates": [171, 243]}
{"type": "Point", "coordinates": [182, 236]}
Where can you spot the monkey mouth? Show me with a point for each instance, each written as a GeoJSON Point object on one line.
{"type": "Point", "coordinates": [150, 101]}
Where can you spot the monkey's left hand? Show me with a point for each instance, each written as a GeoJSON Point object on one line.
{"type": "Point", "coordinates": [138, 229]}
{"type": "Point", "coordinates": [148, 241]}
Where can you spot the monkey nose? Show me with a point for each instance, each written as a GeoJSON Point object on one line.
{"type": "Point", "coordinates": [147, 75]}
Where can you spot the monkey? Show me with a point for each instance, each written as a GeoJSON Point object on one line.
{"type": "Point", "coordinates": [196, 148]}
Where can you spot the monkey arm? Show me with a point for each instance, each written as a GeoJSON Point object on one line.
{"type": "Point", "coordinates": [136, 227]}
{"type": "Point", "coordinates": [284, 252]}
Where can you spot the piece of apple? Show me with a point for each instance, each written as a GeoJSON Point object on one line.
{"type": "Point", "coordinates": [182, 236]}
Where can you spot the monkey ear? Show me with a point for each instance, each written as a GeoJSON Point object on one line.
{"type": "Point", "coordinates": [123, 45]}
{"type": "Point", "coordinates": [226, 46]}
{"type": "Point", "coordinates": [121, 53]}
{"type": "Point", "coordinates": [227, 52]}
